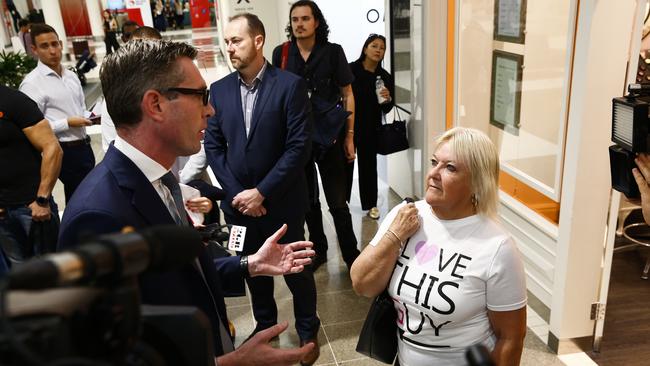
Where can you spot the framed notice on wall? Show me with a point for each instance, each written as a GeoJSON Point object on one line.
{"type": "Point", "coordinates": [505, 96]}
{"type": "Point", "coordinates": [510, 20]}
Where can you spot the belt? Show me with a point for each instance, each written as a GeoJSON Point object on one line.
{"type": "Point", "coordinates": [82, 142]}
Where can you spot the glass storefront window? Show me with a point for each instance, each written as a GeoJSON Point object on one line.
{"type": "Point", "coordinates": [532, 146]}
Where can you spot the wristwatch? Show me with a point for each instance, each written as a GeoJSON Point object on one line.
{"type": "Point", "coordinates": [43, 201]}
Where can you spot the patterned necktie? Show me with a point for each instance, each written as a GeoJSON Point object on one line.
{"type": "Point", "coordinates": [178, 213]}
{"type": "Point", "coordinates": [176, 207]}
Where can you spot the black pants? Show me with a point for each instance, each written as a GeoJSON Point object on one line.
{"type": "Point", "coordinates": [301, 285]}
{"type": "Point", "coordinates": [77, 162]}
{"type": "Point", "coordinates": [367, 164]}
{"type": "Point", "coordinates": [110, 40]}
{"type": "Point", "coordinates": [332, 167]}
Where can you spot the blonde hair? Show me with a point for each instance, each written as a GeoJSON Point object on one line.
{"type": "Point", "coordinates": [476, 151]}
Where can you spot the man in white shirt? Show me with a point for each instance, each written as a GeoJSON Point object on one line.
{"type": "Point", "coordinates": [58, 94]}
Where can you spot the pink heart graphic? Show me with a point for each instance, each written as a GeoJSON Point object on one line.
{"type": "Point", "coordinates": [424, 253]}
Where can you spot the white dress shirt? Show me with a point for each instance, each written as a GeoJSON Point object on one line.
{"type": "Point", "coordinates": [195, 167]}
{"type": "Point", "coordinates": [58, 97]}
{"type": "Point", "coordinates": [149, 167]}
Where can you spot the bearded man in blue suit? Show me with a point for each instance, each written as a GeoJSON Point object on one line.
{"type": "Point", "coordinates": [257, 144]}
{"type": "Point", "coordinates": [159, 103]}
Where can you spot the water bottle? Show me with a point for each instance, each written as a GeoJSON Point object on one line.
{"type": "Point", "coordinates": [379, 85]}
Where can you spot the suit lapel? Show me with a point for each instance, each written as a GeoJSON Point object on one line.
{"type": "Point", "coordinates": [144, 197]}
{"type": "Point", "coordinates": [266, 89]}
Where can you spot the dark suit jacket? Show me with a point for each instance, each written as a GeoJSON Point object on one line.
{"type": "Point", "coordinates": [274, 155]}
{"type": "Point", "coordinates": [117, 194]}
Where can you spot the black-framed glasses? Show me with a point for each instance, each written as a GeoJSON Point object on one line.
{"type": "Point", "coordinates": [203, 92]}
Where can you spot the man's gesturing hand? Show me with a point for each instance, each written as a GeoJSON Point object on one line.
{"type": "Point", "coordinates": [280, 259]}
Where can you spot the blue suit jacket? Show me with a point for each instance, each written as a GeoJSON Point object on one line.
{"type": "Point", "coordinates": [117, 194]}
{"type": "Point", "coordinates": [273, 156]}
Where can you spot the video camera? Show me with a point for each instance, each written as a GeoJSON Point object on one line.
{"type": "Point", "coordinates": [630, 124]}
{"type": "Point", "coordinates": [83, 307]}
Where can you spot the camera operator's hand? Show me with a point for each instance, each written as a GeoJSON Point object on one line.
{"type": "Point", "coordinates": [279, 259]}
{"type": "Point", "coordinates": [257, 351]}
{"type": "Point", "coordinates": [642, 177]}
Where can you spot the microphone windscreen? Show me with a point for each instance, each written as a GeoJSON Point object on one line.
{"type": "Point", "coordinates": [172, 246]}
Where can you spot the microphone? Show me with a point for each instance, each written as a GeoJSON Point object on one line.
{"type": "Point", "coordinates": [111, 257]}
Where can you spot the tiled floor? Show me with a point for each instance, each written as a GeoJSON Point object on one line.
{"type": "Point", "coordinates": [341, 311]}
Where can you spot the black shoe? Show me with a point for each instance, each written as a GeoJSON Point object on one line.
{"type": "Point", "coordinates": [318, 260]}
{"type": "Point", "coordinates": [259, 328]}
{"type": "Point", "coordinates": [312, 356]}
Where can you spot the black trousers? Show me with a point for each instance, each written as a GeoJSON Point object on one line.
{"type": "Point", "coordinates": [332, 167]}
{"type": "Point", "coordinates": [367, 164]}
{"type": "Point", "coordinates": [110, 40]}
{"type": "Point", "coordinates": [301, 285]}
{"type": "Point", "coordinates": [77, 162]}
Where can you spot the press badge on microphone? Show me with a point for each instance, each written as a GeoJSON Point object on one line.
{"type": "Point", "coordinates": [237, 236]}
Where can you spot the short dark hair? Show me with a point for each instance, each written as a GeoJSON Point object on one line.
{"type": "Point", "coordinates": [322, 31]}
{"type": "Point", "coordinates": [129, 23]}
{"type": "Point", "coordinates": [138, 66]}
{"type": "Point", "coordinates": [146, 32]}
{"type": "Point", "coordinates": [40, 28]}
{"type": "Point", "coordinates": [255, 25]}
{"type": "Point", "coordinates": [23, 22]}
{"type": "Point", "coordinates": [371, 38]}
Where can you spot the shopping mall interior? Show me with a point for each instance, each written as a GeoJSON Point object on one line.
{"type": "Point", "coordinates": [538, 77]}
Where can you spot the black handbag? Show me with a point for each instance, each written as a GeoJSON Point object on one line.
{"type": "Point", "coordinates": [378, 338]}
{"type": "Point", "coordinates": [391, 137]}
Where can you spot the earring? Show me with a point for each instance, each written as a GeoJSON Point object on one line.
{"type": "Point", "coordinates": [474, 200]}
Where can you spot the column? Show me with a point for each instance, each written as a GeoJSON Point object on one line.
{"type": "Point", "coordinates": [53, 17]}
{"type": "Point", "coordinates": [95, 18]}
{"type": "Point", "coordinates": [603, 28]}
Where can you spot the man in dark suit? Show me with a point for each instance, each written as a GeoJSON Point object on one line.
{"type": "Point", "coordinates": [257, 144]}
{"type": "Point", "coordinates": [160, 113]}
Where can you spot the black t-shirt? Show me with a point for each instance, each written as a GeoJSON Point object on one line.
{"type": "Point", "coordinates": [20, 162]}
{"type": "Point", "coordinates": [325, 71]}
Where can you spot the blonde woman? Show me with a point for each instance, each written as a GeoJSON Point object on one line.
{"type": "Point", "coordinates": [458, 277]}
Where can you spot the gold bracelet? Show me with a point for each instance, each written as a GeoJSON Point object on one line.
{"type": "Point", "coordinates": [401, 243]}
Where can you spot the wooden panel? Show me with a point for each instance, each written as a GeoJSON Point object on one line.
{"type": "Point", "coordinates": [75, 18]}
{"type": "Point", "coordinates": [534, 200]}
{"type": "Point", "coordinates": [451, 47]}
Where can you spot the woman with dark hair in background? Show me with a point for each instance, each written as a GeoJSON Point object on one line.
{"type": "Point", "coordinates": [367, 71]}
{"type": "Point", "coordinates": [110, 27]}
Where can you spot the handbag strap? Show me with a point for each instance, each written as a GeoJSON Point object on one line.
{"type": "Point", "coordinates": [396, 112]}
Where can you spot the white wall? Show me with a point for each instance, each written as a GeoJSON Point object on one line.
{"type": "Point", "coordinates": [94, 10]}
{"type": "Point", "coordinates": [604, 28]}
{"type": "Point", "coordinates": [349, 24]}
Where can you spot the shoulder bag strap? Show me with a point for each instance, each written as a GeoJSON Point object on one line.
{"type": "Point", "coordinates": [285, 55]}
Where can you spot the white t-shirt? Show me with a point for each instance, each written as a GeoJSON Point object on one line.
{"type": "Point", "coordinates": [447, 276]}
